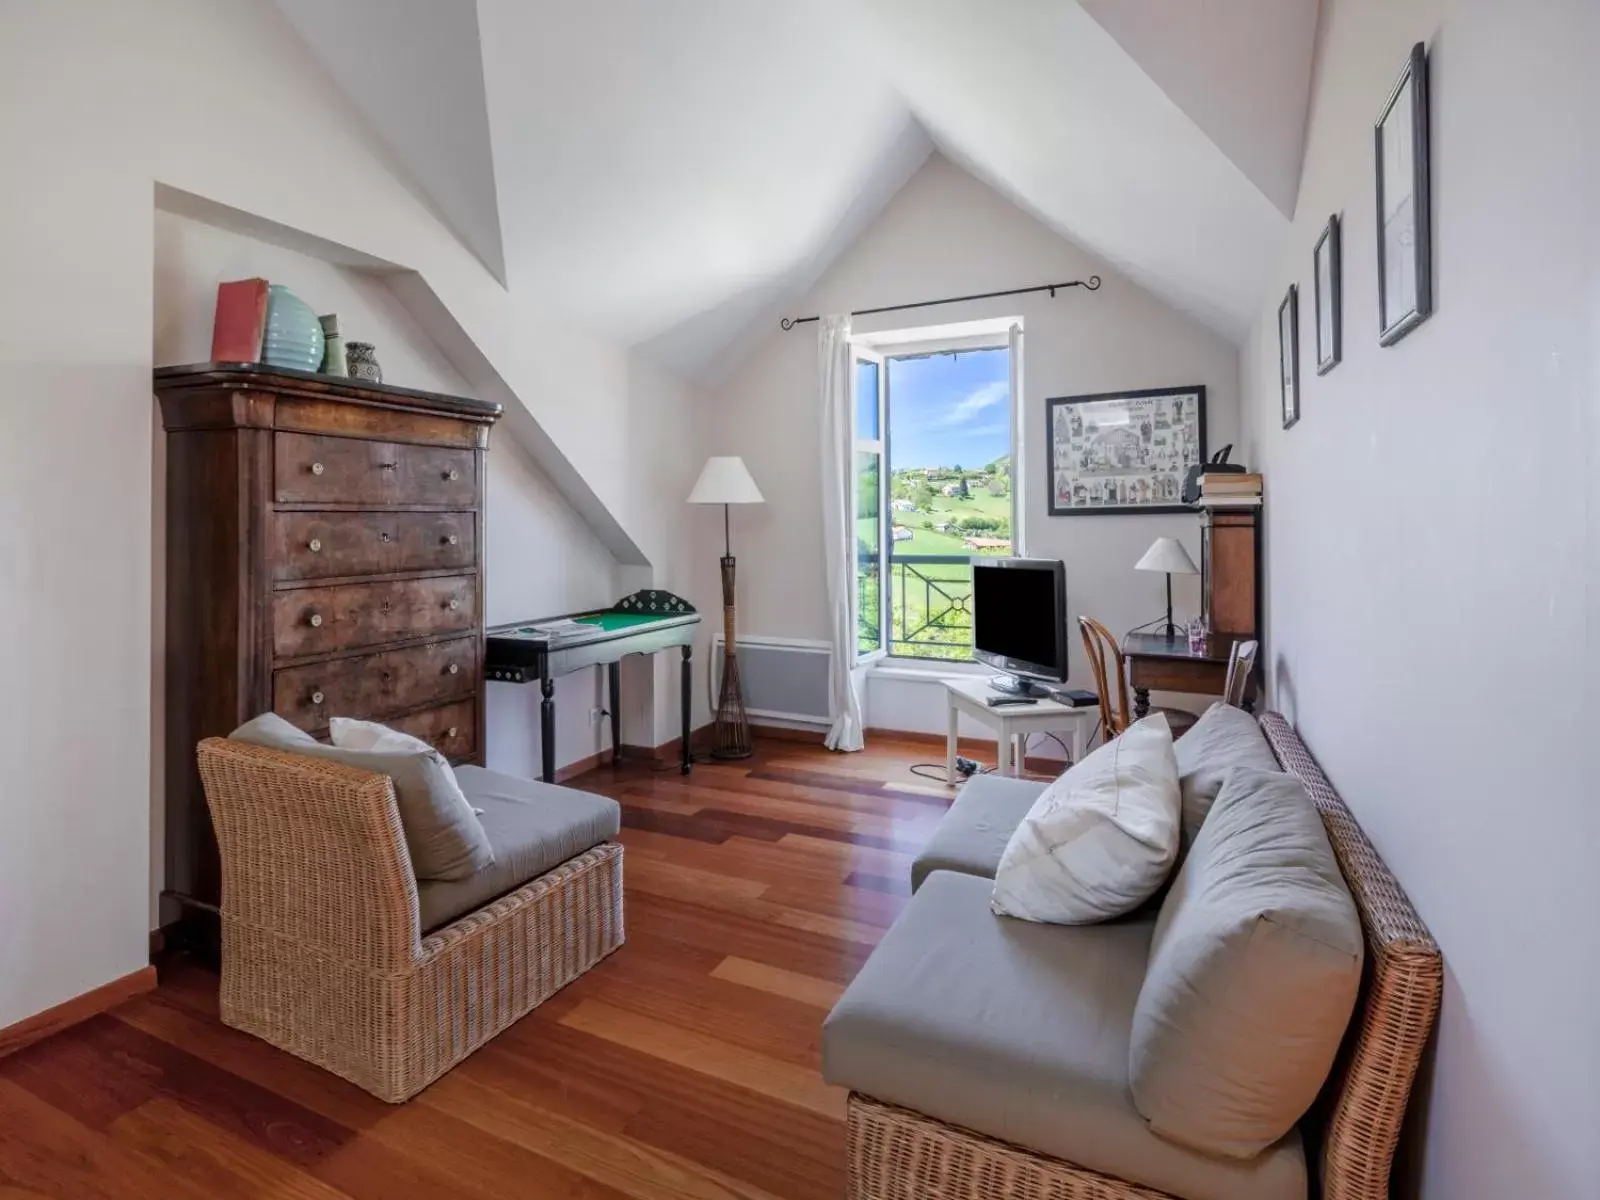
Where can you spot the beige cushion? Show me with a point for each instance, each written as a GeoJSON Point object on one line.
{"type": "Point", "coordinates": [347, 733]}
{"type": "Point", "coordinates": [1225, 737]}
{"type": "Point", "coordinates": [445, 839]}
{"type": "Point", "coordinates": [533, 828]}
{"type": "Point", "coordinates": [1020, 1032]}
{"type": "Point", "coordinates": [1100, 840]}
{"type": "Point", "coordinates": [972, 836]}
{"type": "Point", "coordinates": [1253, 974]}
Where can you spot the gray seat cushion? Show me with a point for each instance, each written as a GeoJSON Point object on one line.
{"type": "Point", "coordinates": [973, 834]}
{"type": "Point", "coordinates": [1021, 1032]}
{"type": "Point", "coordinates": [533, 828]}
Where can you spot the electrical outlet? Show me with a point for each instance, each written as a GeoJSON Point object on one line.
{"type": "Point", "coordinates": [596, 715]}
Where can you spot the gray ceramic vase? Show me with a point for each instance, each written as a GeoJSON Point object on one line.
{"type": "Point", "coordinates": [362, 360]}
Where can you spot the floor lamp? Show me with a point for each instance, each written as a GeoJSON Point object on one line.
{"type": "Point", "coordinates": [725, 481]}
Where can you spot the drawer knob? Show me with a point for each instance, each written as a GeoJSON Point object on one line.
{"type": "Point", "coordinates": [386, 607]}
{"type": "Point", "coordinates": [454, 604]}
{"type": "Point", "coordinates": [317, 468]}
{"type": "Point", "coordinates": [451, 732]}
{"type": "Point", "coordinates": [316, 620]}
{"type": "Point", "coordinates": [454, 668]}
{"type": "Point", "coordinates": [315, 545]}
{"type": "Point", "coordinates": [384, 536]}
{"type": "Point", "coordinates": [452, 474]}
{"type": "Point", "coordinates": [387, 676]}
{"type": "Point", "coordinates": [453, 540]}
{"type": "Point", "coordinates": [316, 697]}
{"type": "Point", "coordinates": [387, 466]}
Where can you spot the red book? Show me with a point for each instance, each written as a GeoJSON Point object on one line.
{"type": "Point", "coordinates": [241, 321]}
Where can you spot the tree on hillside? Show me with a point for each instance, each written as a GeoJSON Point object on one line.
{"type": "Point", "coordinates": [923, 495]}
{"type": "Point", "coordinates": [961, 489]}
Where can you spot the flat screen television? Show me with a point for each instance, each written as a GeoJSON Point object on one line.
{"type": "Point", "coordinates": [1019, 620]}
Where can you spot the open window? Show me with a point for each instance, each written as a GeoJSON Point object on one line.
{"type": "Point", "coordinates": [937, 469]}
{"type": "Point", "coordinates": [869, 380]}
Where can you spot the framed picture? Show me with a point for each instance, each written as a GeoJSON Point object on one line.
{"type": "Point", "coordinates": [1327, 265]}
{"type": "Point", "coordinates": [1289, 355]}
{"type": "Point", "coordinates": [1405, 258]}
{"type": "Point", "coordinates": [1123, 452]}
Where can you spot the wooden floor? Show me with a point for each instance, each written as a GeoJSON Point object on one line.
{"type": "Point", "coordinates": [683, 1066]}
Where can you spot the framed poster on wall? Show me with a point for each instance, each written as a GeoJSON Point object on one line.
{"type": "Point", "coordinates": [1124, 452]}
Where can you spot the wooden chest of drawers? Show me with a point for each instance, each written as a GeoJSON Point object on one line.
{"type": "Point", "coordinates": [324, 558]}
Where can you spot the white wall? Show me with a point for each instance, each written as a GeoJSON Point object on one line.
{"type": "Point", "coordinates": [1431, 561]}
{"type": "Point", "coordinates": [220, 99]}
{"type": "Point", "coordinates": [540, 557]}
{"type": "Point", "coordinates": [947, 234]}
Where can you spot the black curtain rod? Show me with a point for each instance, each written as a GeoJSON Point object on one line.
{"type": "Point", "coordinates": [1090, 285]}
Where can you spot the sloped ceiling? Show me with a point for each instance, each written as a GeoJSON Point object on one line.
{"type": "Point", "coordinates": [673, 175]}
{"type": "Point", "coordinates": [1240, 69]}
{"type": "Point", "coordinates": [414, 68]}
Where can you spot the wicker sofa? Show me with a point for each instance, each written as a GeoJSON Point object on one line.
{"type": "Point", "coordinates": [924, 1141]}
{"type": "Point", "coordinates": [324, 951]}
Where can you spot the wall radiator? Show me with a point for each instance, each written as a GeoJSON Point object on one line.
{"type": "Point", "coordinates": [783, 679]}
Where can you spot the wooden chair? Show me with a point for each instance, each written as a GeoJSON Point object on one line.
{"type": "Point", "coordinates": [1105, 659]}
{"type": "Point", "coordinates": [1241, 663]}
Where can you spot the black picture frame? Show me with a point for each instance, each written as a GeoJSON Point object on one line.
{"type": "Point", "coordinates": [1405, 223]}
{"type": "Point", "coordinates": [1164, 478]}
{"type": "Point", "coordinates": [1289, 356]}
{"type": "Point", "coordinates": [1327, 276]}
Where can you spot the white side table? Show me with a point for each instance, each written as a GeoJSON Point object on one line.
{"type": "Point", "coordinates": [1012, 723]}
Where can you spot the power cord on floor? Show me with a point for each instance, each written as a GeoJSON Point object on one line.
{"type": "Point", "coordinates": [966, 768]}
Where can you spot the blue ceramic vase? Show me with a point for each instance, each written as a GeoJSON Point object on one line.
{"type": "Point", "coordinates": [294, 336]}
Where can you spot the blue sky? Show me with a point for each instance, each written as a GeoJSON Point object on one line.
{"type": "Point", "coordinates": [945, 411]}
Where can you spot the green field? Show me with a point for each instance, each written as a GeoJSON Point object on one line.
{"type": "Point", "coordinates": [930, 602]}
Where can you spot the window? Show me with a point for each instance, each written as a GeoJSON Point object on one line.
{"type": "Point", "coordinates": [869, 385]}
{"type": "Point", "coordinates": [935, 439]}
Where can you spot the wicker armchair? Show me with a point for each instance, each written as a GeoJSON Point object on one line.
{"type": "Point", "coordinates": [1350, 1134]}
{"type": "Point", "coordinates": [322, 952]}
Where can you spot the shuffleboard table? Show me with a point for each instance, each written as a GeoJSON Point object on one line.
{"type": "Point", "coordinates": [642, 623]}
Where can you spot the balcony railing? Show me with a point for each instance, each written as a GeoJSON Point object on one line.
{"type": "Point", "coordinates": [930, 606]}
{"type": "Point", "coordinates": [929, 609]}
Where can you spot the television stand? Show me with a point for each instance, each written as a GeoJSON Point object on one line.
{"type": "Point", "coordinates": [967, 699]}
{"type": "Point", "coordinates": [1017, 685]}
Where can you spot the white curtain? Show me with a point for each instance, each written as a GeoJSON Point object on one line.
{"type": "Point", "coordinates": [1019, 506]}
{"type": "Point", "coordinates": [838, 529]}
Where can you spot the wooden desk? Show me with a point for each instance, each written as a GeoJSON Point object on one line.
{"type": "Point", "coordinates": [1154, 661]}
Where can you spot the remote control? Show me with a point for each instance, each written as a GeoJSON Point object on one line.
{"type": "Point", "coordinates": [1002, 701]}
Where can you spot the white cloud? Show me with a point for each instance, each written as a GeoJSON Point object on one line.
{"type": "Point", "coordinates": [971, 405]}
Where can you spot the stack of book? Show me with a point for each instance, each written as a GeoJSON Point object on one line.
{"type": "Point", "coordinates": [1234, 490]}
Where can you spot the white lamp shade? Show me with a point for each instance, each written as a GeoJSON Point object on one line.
{"type": "Point", "coordinates": [725, 481]}
{"type": "Point", "coordinates": [1167, 555]}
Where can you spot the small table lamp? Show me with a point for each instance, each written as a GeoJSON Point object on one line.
{"type": "Point", "coordinates": [1169, 557]}
{"type": "Point", "coordinates": [725, 481]}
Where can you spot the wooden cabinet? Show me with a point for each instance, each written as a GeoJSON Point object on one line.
{"type": "Point", "coordinates": [1230, 570]}
{"type": "Point", "coordinates": [324, 558]}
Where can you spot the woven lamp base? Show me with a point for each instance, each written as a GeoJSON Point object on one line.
{"type": "Point", "coordinates": [730, 735]}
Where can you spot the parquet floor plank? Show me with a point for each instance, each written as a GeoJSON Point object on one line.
{"type": "Point", "coordinates": [684, 1067]}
